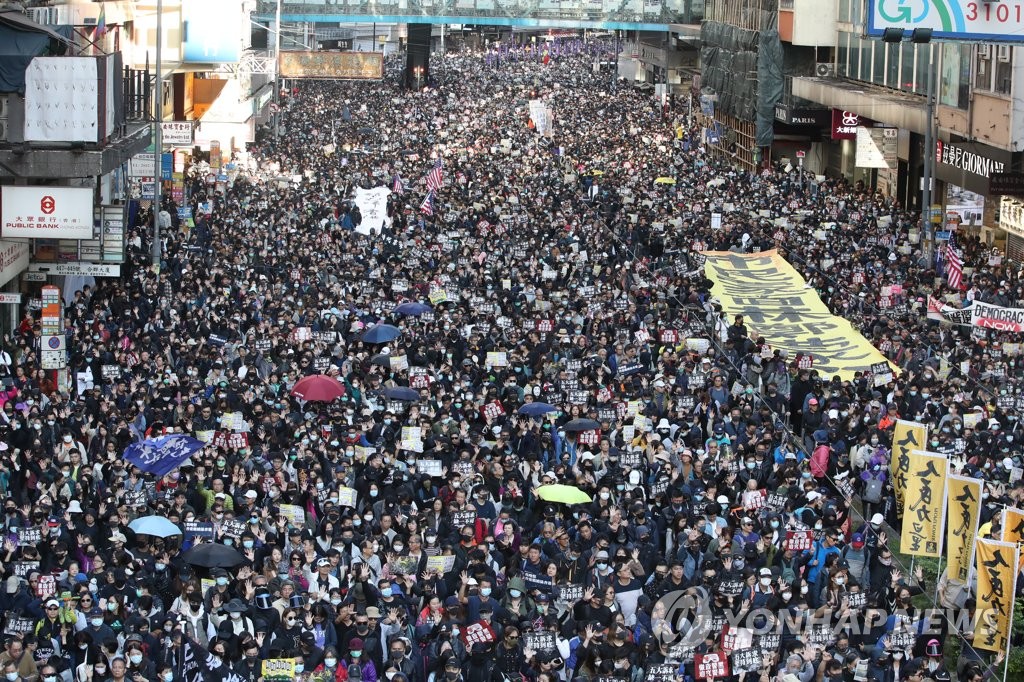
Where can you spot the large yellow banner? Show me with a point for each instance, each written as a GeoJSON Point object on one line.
{"type": "Point", "coordinates": [924, 509]}
{"type": "Point", "coordinates": [908, 437]}
{"type": "Point", "coordinates": [774, 302]}
{"type": "Point", "coordinates": [997, 576]}
{"type": "Point", "coordinates": [963, 515]}
{"type": "Point", "coordinates": [1012, 522]}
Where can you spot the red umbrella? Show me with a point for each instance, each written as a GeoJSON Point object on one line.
{"type": "Point", "coordinates": [318, 387]}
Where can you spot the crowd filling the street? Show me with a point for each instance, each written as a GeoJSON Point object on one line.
{"type": "Point", "coordinates": [513, 377]}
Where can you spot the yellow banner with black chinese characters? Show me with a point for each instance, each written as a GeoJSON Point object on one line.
{"type": "Point", "coordinates": [908, 437]}
{"type": "Point", "coordinates": [924, 507]}
{"type": "Point", "coordinates": [776, 303]}
{"type": "Point", "coordinates": [1012, 522]}
{"type": "Point", "coordinates": [963, 514]}
{"type": "Point", "coordinates": [997, 576]}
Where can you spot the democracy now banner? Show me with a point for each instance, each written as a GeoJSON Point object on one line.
{"type": "Point", "coordinates": [978, 314]}
{"type": "Point", "coordinates": [776, 303]}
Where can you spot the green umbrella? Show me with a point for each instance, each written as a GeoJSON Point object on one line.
{"type": "Point", "coordinates": [566, 494]}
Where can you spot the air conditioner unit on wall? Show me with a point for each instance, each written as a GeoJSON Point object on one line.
{"type": "Point", "coordinates": [985, 51]}
{"type": "Point", "coordinates": [825, 70]}
{"type": "Point", "coordinates": [40, 15]}
{"type": "Point", "coordinates": [1003, 53]}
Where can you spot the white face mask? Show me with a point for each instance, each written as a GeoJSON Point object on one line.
{"type": "Point", "coordinates": [840, 580]}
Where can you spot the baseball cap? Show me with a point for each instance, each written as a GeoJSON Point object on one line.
{"type": "Point", "coordinates": [877, 518]}
{"type": "Point", "coordinates": [813, 495]}
{"type": "Point", "coordinates": [857, 540]}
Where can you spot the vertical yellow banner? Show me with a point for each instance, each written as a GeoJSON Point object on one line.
{"type": "Point", "coordinates": [1012, 522]}
{"type": "Point", "coordinates": [908, 437]}
{"type": "Point", "coordinates": [963, 515]}
{"type": "Point", "coordinates": [997, 575]}
{"type": "Point", "coordinates": [924, 505]}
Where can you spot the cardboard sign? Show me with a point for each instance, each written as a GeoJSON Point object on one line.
{"type": "Point", "coordinates": [477, 632]}
{"type": "Point", "coordinates": [22, 569]}
{"type": "Point", "coordinates": [443, 563]}
{"type": "Point", "coordinates": [711, 666]}
{"type": "Point", "coordinates": [746, 660]}
{"type": "Point", "coordinates": [16, 625]}
{"type": "Point", "coordinates": [430, 467]}
{"type": "Point", "coordinates": [295, 514]}
{"type": "Point", "coordinates": [592, 437]}
{"type": "Point", "coordinates": [198, 529]}
{"type": "Point", "coordinates": [463, 518]}
{"type": "Point", "coordinates": [799, 540]}
{"type": "Point", "coordinates": [46, 586]}
{"type": "Point", "coordinates": [493, 409]}
{"type": "Point", "coordinates": [30, 536]}
{"type": "Point", "coordinates": [662, 672]}
{"type": "Point", "coordinates": [279, 669]}
{"type": "Point", "coordinates": [570, 594]}
{"type": "Point", "coordinates": [233, 528]}
{"type": "Point", "coordinates": [347, 497]}
{"type": "Point", "coordinates": [540, 640]}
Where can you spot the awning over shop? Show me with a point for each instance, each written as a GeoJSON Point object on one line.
{"type": "Point", "coordinates": [879, 104]}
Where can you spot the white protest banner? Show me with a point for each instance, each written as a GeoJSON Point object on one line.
{"type": "Point", "coordinates": [372, 205]}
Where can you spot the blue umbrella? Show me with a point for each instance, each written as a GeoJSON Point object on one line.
{"type": "Point", "coordinates": [536, 409]}
{"type": "Point", "coordinates": [412, 308]}
{"type": "Point", "coordinates": [160, 456]}
{"type": "Point", "coordinates": [381, 333]}
{"type": "Point", "coordinates": [402, 393]}
{"type": "Point", "coordinates": [157, 526]}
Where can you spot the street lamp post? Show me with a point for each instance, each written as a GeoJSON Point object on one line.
{"type": "Point", "coordinates": [923, 36]}
{"type": "Point", "coordinates": [158, 141]}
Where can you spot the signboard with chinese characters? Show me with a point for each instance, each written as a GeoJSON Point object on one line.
{"type": "Point", "coordinates": [844, 125]}
{"type": "Point", "coordinates": [176, 132]}
{"type": "Point", "coordinates": [336, 65]}
{"type": "Point", "coordinates": [46, 212]}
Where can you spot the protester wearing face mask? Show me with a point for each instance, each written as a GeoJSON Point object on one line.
{"type": "Point", "coordinates": [138, 662]}
{"type": "Point", "coordinates": [355, 665]}
{"type": "Point", "coordinates": [17, 662]}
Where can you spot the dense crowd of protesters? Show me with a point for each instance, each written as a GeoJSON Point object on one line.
{"type": "Point", "coordinates": [274, 282]}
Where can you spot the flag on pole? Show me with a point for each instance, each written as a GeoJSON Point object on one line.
{"type": "Point", "coordinates": [101, 23]}
{"type": "Point", "coordinates": [396, 185]}
{"type": "Point", "coordinates": [954, 267]}
{"type": "Point", "coordinates": [427, 206]}
{"type": "Point", "coordinates": [996, 570]}
{"type": "Point", "coordinates": [434, 177]}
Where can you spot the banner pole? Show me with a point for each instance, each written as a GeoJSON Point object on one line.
{"type": "Point", "coordinates": [1013, 603]}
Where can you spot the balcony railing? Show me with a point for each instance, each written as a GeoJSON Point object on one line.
{"type": "Point", "coordinates": [138, 91]}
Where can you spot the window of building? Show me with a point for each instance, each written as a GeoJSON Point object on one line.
{"type": "Point", "coordinates": [843, 55]}
{"type": "Point", "coordinates": [864, 71]}
{"type": "Point", "coordinates": [907, 66]}
{"type": "Point", "coordinates": [892, 65]}
{"type": "Point", "coordinates": [878, 73]}
{"type": "Point", "coordinates": [922, 62]}
{"type": "Point", "coordinates": [856, 12]}
{"type": "Point", "coordinates": [844, 10]}
{"type": "Point", "coordinates": [983, 67]}
{"type": "Point", "coordinates": [955, 75]}
{"type": "Point", "coordinates": [1003, 68]}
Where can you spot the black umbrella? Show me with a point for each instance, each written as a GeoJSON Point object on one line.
{"type": "Point", "coordinates": [581, 425]}
{"type": "Point", "coordinates": [210, 555]}
{"type": "Point", "coordinates": [402, 393]}
{"type": "Point", "coordinates": [381, 360]}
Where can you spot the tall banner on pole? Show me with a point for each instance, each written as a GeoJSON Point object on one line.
{"type": "Point", "coordinates": [997, 575]}
{"type": "Point", "coordinates": [924, 508]}
{"type": "Point", "coordinates": [963, 516]}
{"type": "Point", "coordinates": [908, 437]}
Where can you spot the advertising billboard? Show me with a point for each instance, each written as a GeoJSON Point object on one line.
{"type": "Point", "coordinates": [211, 31]}
{"type": "Point", "coordinates": [46, 212]}
{"type": "Point", "coordinates": [340, 65]}
{"type": "Point", "coordinates": [958, 19]}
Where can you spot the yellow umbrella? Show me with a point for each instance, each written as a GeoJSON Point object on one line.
{"type": "Point", "coordinates": [665, 180]}
{"type": "Point", "coordinates": [566, 494]}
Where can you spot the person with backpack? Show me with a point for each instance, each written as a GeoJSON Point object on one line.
{"type": "Point", "coordinates": [873, 480]}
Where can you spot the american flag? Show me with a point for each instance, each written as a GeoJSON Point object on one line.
{"type": "Point", "coordinates": [427, 206]}
{"type": "Point", "coordinates": [954, 267]}
{"type": "Point", "coordinates": [396, 185]}
{"type": "Point", "coordinates": [434, 177]}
